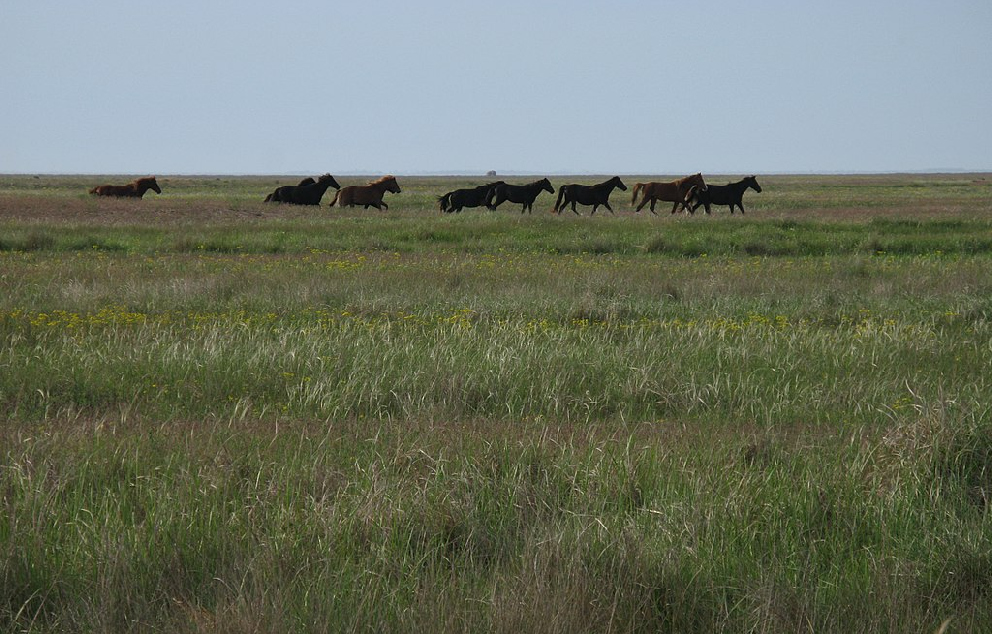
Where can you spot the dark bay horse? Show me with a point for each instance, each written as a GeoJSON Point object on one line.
{"type": "Point", "coordinates": [368, 195]}
{"type": "Point", "coordinates": [134, 189]}
{"type": "Point", "coordinates": [455, 201]}
{"type": "Point", "coordinates": [730, 194]}
{"type": "Point", "coordinates": [673, 192]}
{"type": "Point", "coordinates": [594, 195]}
{"type": "Point", "coordinates": [308, 192]}
{"type": "Point", "coordinates": [523, 194]}
{"type": "Point", "coordinates": [274, 196]}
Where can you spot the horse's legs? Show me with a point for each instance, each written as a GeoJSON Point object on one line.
{"type": "Point", "coordinates": [573, 209]}
{"type": "Point", "coordinates": [675, 206]}
{"type": "Point", "coordinates": [653, 201]}
{"type": "Point", "coordinates": [607, 205]}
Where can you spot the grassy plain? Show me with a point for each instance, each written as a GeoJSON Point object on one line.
{"type": "Point", "coordinates": [225, 416]}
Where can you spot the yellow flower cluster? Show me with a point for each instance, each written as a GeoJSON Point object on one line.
{"type": "Point", "coordinates": [109, 316]}
{"type": "Point", "coordinates": [862, 324]}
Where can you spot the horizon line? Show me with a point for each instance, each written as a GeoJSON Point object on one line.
{"type": "Point", "coordinates": [462, 173]}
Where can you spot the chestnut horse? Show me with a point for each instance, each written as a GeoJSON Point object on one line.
{"type": "Point", "coordinates": [674, 192]}
{"type": "Point", "coordinates": [524, 194]}
{"type": "Point", "coordinates": [308, 192]}
{"type": "Point", "coordinates": [134, 189]}
{"type": "Point", "coordinates": [730, 194]}
{"type": "Point", "coordinates": [368, 195]}
{"type": "Point", "coordinates": [594, 195]}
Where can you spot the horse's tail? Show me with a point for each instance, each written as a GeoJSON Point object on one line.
{"type": "Point", "coordinates": [561, 194]}
{"type": "Point", "coordinates": [491, 197]}
{"type": "Point", "coordinates": [268, 198]}
{"type": "Point", "coordinates": [637, 189]}
{"type": "Point", "coordinates": [443, 202]}
{"type": "Point", "coordinates": [94, 190]}
{"type": "Point", "coordinates": [335, 201]}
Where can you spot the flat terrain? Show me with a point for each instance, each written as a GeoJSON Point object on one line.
{"type": "Point", "coordinates": [225, 416]}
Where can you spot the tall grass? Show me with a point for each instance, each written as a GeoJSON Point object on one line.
{"type": "Point", "coordinates": [490, 423]}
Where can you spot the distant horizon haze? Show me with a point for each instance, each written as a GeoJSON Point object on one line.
{"type": "Point", "coordinates": [441, 88]}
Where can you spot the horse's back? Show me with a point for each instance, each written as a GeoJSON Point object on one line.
{"type": "Point", "coordinates": [355, 195]}
{"type": "Point", "coordinates": [113, 190]}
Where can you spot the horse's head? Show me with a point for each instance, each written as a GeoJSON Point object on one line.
{"type": "Point", "coordinates": [546, 186]}
{"type": "Point", "coordinates": [328, 180]}
{"type": "Point", "coordinates": [752, 182]}
{"type": "Point", "coordinates": [618, 183]}
{"type": "Point", "coordinates": [390, 184]}
{"type": "Point", "coordinates": [153, 185]}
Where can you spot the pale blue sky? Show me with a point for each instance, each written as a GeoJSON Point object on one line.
{"type": "Point", "coordinates": [194, 86]}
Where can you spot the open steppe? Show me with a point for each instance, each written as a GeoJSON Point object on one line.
{"type": "Point", "coordinates": [225, 416]}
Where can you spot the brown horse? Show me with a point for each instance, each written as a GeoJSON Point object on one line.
{"type": "Point", "coordinates": [368, 195]}
{"type": "Point", "coordinates": [674, 192]}
{"type": "Point", "coordinates": [134, 189]}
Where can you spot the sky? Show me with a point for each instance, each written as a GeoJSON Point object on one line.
{"type": "Point", "coordinates": [578, 87]}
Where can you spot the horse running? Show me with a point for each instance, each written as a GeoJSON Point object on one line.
{"type": "Point", "coordinates": [274, 196]}
{"type": "Point", "coordinates": [134, 189]}
{"type": "Point", "coordinates": [368, 195]}
{"type": "Point", "coordinates": [455, 201]}
{"type": "Point", "coordinates": [673, 192]}
{"type": "Point", "coordinates": [308, 192]}
{"type": "Point", "coordinates": [730, 194]}
{"type": "Point", "coordinates": [594, 195]}
{"type": "Point", "coordinates": [523, 194]}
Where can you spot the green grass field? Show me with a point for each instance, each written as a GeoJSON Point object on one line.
{"type": "Point", "coordinates": [225, 416]}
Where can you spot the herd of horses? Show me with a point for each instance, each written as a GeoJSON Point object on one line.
{"type": "Point", "coordinates": [690, 193]}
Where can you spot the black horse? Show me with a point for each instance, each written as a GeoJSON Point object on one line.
{"type": "Point", "coordinates": [274, 196]}
{"type": "Point", "coordinates": [730, 194]}
{"type": "Point", "coordinates": [524, 194]}
{"type": "Point", "coordinates": [455, 201]}
{"type": "Point", "coordinates": [308, 192]}
{"type": "Point", "coordinates": [594, 195]}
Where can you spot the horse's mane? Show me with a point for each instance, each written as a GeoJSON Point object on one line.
{"type": "Point", "coordinates": [146, 179]}
{"type": "Point", "coordinates": [388, 177]}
